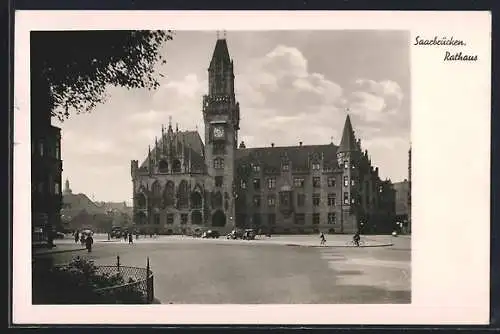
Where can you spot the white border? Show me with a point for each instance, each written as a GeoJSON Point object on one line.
{"type": "Point", "coordinates": [450, 157]}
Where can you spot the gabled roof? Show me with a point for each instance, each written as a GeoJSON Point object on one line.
{"type": "Point", "coordinates": [221, 53]}
{"type": "Point", "coordinates": [348, 141]}
{"type": "Point", "coordinates": [299, 156]}
{"type": "Point", "coordinates": [191, 143]}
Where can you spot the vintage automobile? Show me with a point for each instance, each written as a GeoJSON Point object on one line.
{"type": "Point", "coordinates": [235, 234]}
{"type": "Point", "coordinates": [210, 234]}
{"type": "Point", "coordinates": [249, 234]}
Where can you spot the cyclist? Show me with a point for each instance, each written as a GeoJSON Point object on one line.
{"type": "Point", "coordinates": [356, 238]}
{"type": "Point", "coordinates": [322, 238]}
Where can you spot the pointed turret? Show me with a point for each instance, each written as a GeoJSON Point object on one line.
{"type": "Point", "coordinates": [221, 54]}
{"type": "Point", "coordinates": [67, 189]}
{"type": "Point", "coordinates": [348, 141]}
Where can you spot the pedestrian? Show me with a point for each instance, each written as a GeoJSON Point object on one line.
{"type": "Point", "coordinates": [323, 239]}
{"type": "Point", "coordinates": [88, 243]}
{"type": "Point", "coordinates": [77, 237]}
{"type": "Point", "coordinates": [130, 238]}
{"type": "Point", "coordinates": [125, 235]}
{"type": "Point", "coordinates": [82, 239]}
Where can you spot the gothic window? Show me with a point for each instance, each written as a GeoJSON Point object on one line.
{"type": "Point", "coordinates": [256, 184]}
{"type": "Point", "coordinates": [183, 194]}
{"type": "Point", "coordinates": [352, 182]}
{"type": "Point", "coordinates": [284, 198]}
{"type": "Point", "coordinates": [196, 200]}
{"type": "Point", "coordinates": [219, 163]}
{"type": "Point", "coordinates": [58, 150]}
{"type": "Point", "coordinates": [346, 164]}
{"type": "Point", "coordinates": [141, 201]}
{"type": "Point", "coordinates": [285, 167]}
{"type": "Point", "coordinates": [331, 181]}
{"type": "Point", "coordinates": [315, 166]}
{"type": "Point", "coordinates": [163, 166]}
{"type": "Point", "coordinates": [243, 184]}
{"type": "Point", "coordinates": [331, 199]}
{"type": "Point", "coordinates": [316, 182]}
{"type": "Point", "coordinates": [219, 148]}
{"type": "Point", "coordinates": [298, 182]}
{"type": "Point", "coordinates": [271, 183]}
{"type": "Point", "coordinates": [271, 200]}
{"type": "Point", "coordinates": [316, 199]}
{"type": "Point", "coordinates": [256, 168]}
{"type": "Point", "coordinates": [157, 219]}
{"type": "Point", "coordinates": [170, 218]}
{"type": "Point", "coordinates": [219, 181]}
{"type": "Point", "coordinates": [184, 219]}
{"type": "Point", "coordinates": [346, 197]}
{"type": "Point", "coordinates": [169, 194]}
{"type": "Point", "coordinates": [156, 189]}
{"type": "Point", "coordinates": [346, 181]}
{"type": "Point", "coordinates": [196, 218]}
{"type": "Point", "coordinates": [331, 218]}
{"type": "Point", "coordinates": [176, 168]}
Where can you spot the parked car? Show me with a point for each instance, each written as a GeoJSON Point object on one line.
{"type": "Point", "coordinates": [235, 234]}
{"type": "Point", "coordinates": [249, 234]}
{"type": "Point", "coordinates": [116, 233]}
{"type": "Point", "coordinates": [210, 234]}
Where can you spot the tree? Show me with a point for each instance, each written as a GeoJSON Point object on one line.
{"type": "Point", "coordinates": [72, 69]}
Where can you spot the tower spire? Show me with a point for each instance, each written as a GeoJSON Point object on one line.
{"type": "Point", "coordinates": [348, 141]}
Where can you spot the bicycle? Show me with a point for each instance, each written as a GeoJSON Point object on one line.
{"type": "Point", "coordinates": [351, 243]}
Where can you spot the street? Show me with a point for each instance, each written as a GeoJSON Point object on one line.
{"type": "Point", "coordinates": [200, 271]}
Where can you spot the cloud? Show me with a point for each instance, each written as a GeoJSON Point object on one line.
{"type": "Point", "coordinates": [281, 80]}
{"type": "Point", "coordinates": [376, 101]}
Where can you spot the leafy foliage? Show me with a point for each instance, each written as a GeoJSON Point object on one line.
{"type": "Point", "coordinates": [72, 69]}
{"type": "Point", "coordinates": [80, 282]}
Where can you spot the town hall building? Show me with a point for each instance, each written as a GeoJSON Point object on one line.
{"type": "Point", "coordinates": [186, 184]}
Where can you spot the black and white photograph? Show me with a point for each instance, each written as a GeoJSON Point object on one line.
{"type": "Point", "coordinates": [229, 166]}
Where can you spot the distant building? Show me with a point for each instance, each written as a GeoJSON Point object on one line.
{"type": "Point", "coordinates": [185, 184]}
{"type": "Point", "coordinates": [79, 212]}
{"type": "Point", "coordinates": [46, 168]}
{"type": "Point", "coordinates": [402, 208]}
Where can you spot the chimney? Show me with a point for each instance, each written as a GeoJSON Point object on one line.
{"type": "Point", "coordinates": [300, 143]}
{"type": "Point", "coordinates": [272, 144]}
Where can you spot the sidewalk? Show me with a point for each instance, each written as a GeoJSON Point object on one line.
{"type": "Point", "coordinates": [59, 248]}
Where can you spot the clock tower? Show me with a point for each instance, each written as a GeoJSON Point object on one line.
{"type": "Point", "coordinates": [221, 115]}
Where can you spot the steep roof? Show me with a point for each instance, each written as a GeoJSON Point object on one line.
{"type": "Point", "coordinates": [191, 141]}
{"type": "Point", "coordinates": [221, 53]}
{"type": "Point", "coordinates": [348, 141]}
{"type": "Point", "coordinates": [299, 156]}
{"type": "Point", "coordinates": [75, 203]}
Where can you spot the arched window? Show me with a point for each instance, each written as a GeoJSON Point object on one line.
{"type": "Point", "coordinates": [219, 219]}
{"type": "Point", "coordinates": [196, 218]}
{"type": "Point", "coordinates": [176, 168]}
{"type": "Point", "coordinates": [183, 194]}
{"type": "Point", "coordinates": [218, 163]}
{"type": "Point", "coordinates": [141, 218]}
{"type": "Point", "coordinates": [163, 166]}
{"type": "Point", "coordinates": [169, 194]}
{"type": "Point", "coordinates": [156, 189]}
{"type": "Point", "coordinates": [140, 201]}
{"type": "Point", "coordinates": [196, 200]}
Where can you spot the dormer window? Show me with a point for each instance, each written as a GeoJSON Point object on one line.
{"type": "Point", "coordinates": [316, 166]}
{"type": "Point", "coordinates": [285, 167]}
{"type": "Point", "coordinates": [256, 168]}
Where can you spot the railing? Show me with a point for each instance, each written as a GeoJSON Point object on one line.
{"type": "Point", "coordinates": [133, 280]}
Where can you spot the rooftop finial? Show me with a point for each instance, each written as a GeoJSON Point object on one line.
{"type": "Point", "coordinates": [170, 121]}
{"type": "Point", "coordinates": [176, 127]}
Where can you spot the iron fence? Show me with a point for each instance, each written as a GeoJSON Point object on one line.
{"type": "Point", "coordinates": [113, 282]}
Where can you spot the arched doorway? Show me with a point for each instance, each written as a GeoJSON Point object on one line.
{"type": "Point", "coordinates": [196, 200]}
{"type": "Point", "coordinates": [219, 219]}
{"type": "Point", "coordinates": [196, 218]}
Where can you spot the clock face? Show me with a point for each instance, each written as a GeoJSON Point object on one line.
{"type": "Point", "coordinates": [218, 132]}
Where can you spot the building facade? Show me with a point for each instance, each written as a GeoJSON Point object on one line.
{"type": "Point", "coordinates": [185, 184]}
{"type": "Point", "coordinates": [46, 169]}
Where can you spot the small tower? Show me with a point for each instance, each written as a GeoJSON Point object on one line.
{"type": "Point", "coordinates": [67, 189]}
{"type": "Point", "coordinates": [348, 160]}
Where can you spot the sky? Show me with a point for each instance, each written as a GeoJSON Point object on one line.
{"type": "Point", "coordinates": [292, 86]}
